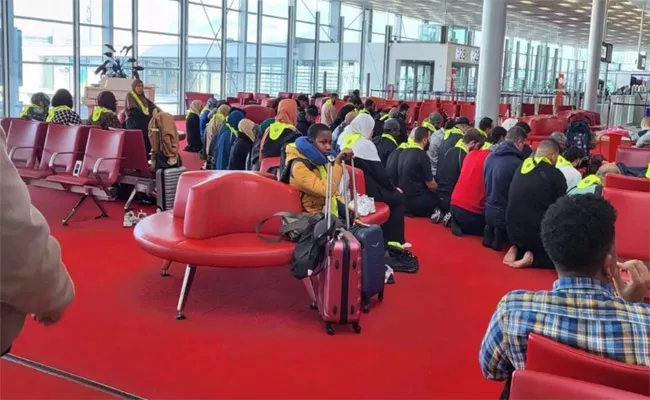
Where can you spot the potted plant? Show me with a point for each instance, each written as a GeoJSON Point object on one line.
{"type": "Point", "coordinates": [117, 63]}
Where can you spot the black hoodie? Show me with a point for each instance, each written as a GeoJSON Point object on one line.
{"type": "Point", "coordinates": [500, 167]}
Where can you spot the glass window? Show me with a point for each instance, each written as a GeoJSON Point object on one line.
{"type": "Point", "coordinates": [90, 12]}
{"type": "Point", "coordinates": [277, 8]}
{"type": "Point", "coordinates": [122, 15]}
{"type": "Point", "coordinates": [306, 11]}
{"type": "Point", "coordinates": [165, 19]}
{"type": "Point", "coordinates": [251, 29]}
{"type": "Point", "coordinates": [204, 21]}
{"type": "Point", "coordinates": [274, 30]}
{"type": "Point", "coordinates": [352, 16]}
{"type": "Point", "coordinates": [59, 10]}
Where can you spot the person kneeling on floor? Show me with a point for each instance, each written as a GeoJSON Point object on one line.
{"type": "Point", "coordinates": [468, 197]}
{"type": "Point", "coordinates": [449, 171]}
{"type": "Point", "coordinates": [415, 177]}
{"type": "Point", "coordinates": [593, 183]}
{"type": "Point", "coordinates": [535, 186]}
{"type": "Point", "coordinates": [387, 142]}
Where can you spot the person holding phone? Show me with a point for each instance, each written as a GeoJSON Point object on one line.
{"type": "Point", "coordinates": [33, 279]}
{"type": "Point", "coordinates": [590, 307]}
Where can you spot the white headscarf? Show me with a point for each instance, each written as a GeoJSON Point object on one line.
{"type": "Point", "coordinates": [363, 148]}
{"type": "Point", "coordinates": [509, 123]}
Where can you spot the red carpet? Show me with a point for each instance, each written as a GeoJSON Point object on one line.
{"type": "Point", "coordinates": [249, 334]}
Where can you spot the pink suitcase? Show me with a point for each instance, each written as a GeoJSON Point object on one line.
{"type": "Point", "coordinates": [337, 283]}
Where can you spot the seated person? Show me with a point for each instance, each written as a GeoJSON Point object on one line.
{"type": "Point", "coordinates": [241, 149]}
{"type": "Point", "coordinates": [435, 127]}
{"type": "Point", "coordinates": [226, 138]}
{"type": "Point", "coordinates": [217, 119]}
{"type": "Point", "coordinates": [527, 150]}
{"type": "Point", "coordinates": [414, 175]}
{"type": "Point", "coordinates": [307, 169]}
{"type": "Point", "coordinates": [392, 163]}
{"type": "Point", "coordinates": [468, 197]}
{"type": "Point", "coordinates": [163, 136]}
{"type": "Point", "coordinates": [562, 141]}
{"type": "Point", "coordinates": [451, 137]}
{"type": "Point", "coordinates": [328, 110]}
{"type": "Point", "coordinates": [104, 114]}
{"type": "Point", "coordinates": [382, 117]}
{"type": "Point", "coordinates": [339, 129]}
{"type": "Point", "coordinates": [593, 183]}
{"type": "Point", "coordinates": [535, 186]}
{"type": "Point", "coordinates": [499, 168]}
{"type": "Point", "coordinates": [582, 310]}
{"type": "Point", "coordinates": [496, 136]}
{"type": "Point", "coordinates": [387, 142]}
{"type": "Point", "coordinates": [206, 113]}
{"type": "Point", "coordinates": [342, 116]}
{"type": "Point", "coordinates": [282, 131]}
{"type": "Point", "coordinates": [61, 111]}
{"type": "Point", "coordinates": [254, 160]}
{"type": "Point", "coordinates": [485, 126]}
{"type": "Point", "coordinates": [368, 108]}
{"type": "Point", "coordinates": [449, 171]}
{"type": "Point", "coordinates": [567, 164]}
{"type": "Point", "coordinates": [192, 127]}
{"type": "Point", "coordinates": [378, 186]}
{"type": "Point", "coordinates": [37, 109]}
{"type": "Point", "coordinates": [642, 142]}
{"type": "Point", "coordinates": [311, 113]}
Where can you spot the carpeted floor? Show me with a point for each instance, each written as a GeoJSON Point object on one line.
{"type": "Point", "coordinates": [249, 334]}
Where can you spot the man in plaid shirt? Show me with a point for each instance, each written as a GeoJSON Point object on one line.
{"type": "Point", "coordinates": [582, 310]}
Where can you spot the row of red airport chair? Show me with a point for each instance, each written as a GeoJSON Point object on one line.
{"type": "Point", "coordinates": [79, 159]}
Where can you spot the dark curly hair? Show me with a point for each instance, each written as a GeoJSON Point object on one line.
{"type": "Point", "coordinates": [578, 232]}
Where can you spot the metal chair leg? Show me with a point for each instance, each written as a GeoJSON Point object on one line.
{"type": "Point", "coordinates": [311, 293]}
{"type": "Point", "coordinates": [74, 209]}
{"type": "Point", "coordinates": [190, 271]}
{"type": "Point", "coordinates": [99, 205]}
{"type": "Point", "coordinates": [127, 205]}
{"type": "Point", "coordinates": [165, 267]}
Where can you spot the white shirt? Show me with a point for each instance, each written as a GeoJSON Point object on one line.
{"type": "Point", "coordinates": [571, 175]}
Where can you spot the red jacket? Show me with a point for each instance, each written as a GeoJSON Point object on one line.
{"type": "Point", "coordinates": [469, 192]}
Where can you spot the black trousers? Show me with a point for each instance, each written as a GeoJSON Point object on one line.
{"type": "Point", "coordinates": [469, 223]}
{"type": "Point", "coordinates": [393, 229]}
{"type": "Point", "coordinates": [444, 201]}
{"type": "Point", "coordinates": [421, 205]}
{"type": "Point", "coordinates": [534, 245]}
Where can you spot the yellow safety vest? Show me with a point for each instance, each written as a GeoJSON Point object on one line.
{"type": "Point", "coordinates": [452, 131]}
{"type": "Point", "coordinates": [364, 111]}
{"type": "Point", "coordinates": [233, 131]}
{"type": "Point", "coordinates": [25, 110]}
{"type": "Point", "coordinates": [323, 174]}
{"type": "Point", "coordinates": [54, 110]}
{"type": "Point", "coordinates": [204, 109]}
{"type": "Point", "coordinates": [431, 127]}
{"type": "Point", "coordinates": [276, 129]}
{"type": "Point", "coordinates": [218, 116]}
{"type": "Point", "coordinates": [329, 102]}
{"type": "Point", "coordinates": [97, 113]}
{"type": "Point", "coordinates": [384, 117]}
{"type": "Point", "coordinates": [145, 110]}
{"type": "Point", "coordinates": [485, 134]}
{"type": "Point", "coordinates": [647, 172]}
{"type": "Point", "coordinates": [529, 164]}
{"type": "Point", "coordinates": [350, 140]}
{"type": "Point", "coordinates": [486, 146]}
{"type": "Point", "coordinates": [414, 145]}
{"type": "Point", "coordinates": [562, 162]}
{"type": "Point", "coordinates": [189, 112]}
{"type": "Point", "coordinates": [589, 180]}
{"type": "Point", "coordinates": [389, 137]}
{"type": "Point", "coordinates": [461, 145]}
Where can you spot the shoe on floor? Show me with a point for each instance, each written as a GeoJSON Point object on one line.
{"type": "Point", "coordinates": [129, 218]}
{"type": "Point", "coordinates": [488, 236]}
{"type": "Point", "coordinates": [455, 228]}
{"type": "Point", "coordinates": [436, 217]}
{"type": "Point", "coordinates": [497, 242]}
{"type": "Point", "coordinates": [446, 221]}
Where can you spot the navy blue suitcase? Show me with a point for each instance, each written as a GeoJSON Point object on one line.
{"type": "Point", "coordinates": [373, 271]}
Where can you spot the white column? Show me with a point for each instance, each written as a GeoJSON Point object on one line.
{"type": "Point", "coordinates": [488, 90]}
{"type": "Point", "coordinates": [596, 32]}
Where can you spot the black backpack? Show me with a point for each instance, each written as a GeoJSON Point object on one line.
{"type": "Point", "coordinates": [578, 134]}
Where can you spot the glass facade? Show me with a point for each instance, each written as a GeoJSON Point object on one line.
{"type": "Point", "coordinates": [180, 44]}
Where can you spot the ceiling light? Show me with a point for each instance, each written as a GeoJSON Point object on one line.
{"type": "Point", "coordinates": [525, 2]}
{"type": "Point", "coordinates": [526, 12]}
{"type": "Point", "coordinates": [544, 8]}
{"type": "Point", "coordinates": [579, 10]}
{"type": "Point", "coordinates": [558, 21]}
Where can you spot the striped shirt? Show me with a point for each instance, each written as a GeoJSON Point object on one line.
{"type": "Point", "coordinates": [583, 313]}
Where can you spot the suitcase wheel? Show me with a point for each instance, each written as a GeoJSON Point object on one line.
{"type": "Point", "coordinates": [356, 328]}
{"type": "Point", "coordinates": [329, 329]}
{"type": "Point", "coordinates": [380, 297]}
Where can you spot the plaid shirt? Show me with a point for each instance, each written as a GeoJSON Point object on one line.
{"type": "Point", "coordinates": [583, 313]}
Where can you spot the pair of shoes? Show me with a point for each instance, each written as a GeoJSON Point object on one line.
{"type": "Point", "coordinates": [436, 217]}
{"type": "Point", "coordinates": [446, 221]}
{"type": "Point", "coordinates": [131, 218]}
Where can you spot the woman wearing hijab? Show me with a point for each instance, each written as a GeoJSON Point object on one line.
{"type": "Point", "coordinates": [336, 133]}
{"type": "Point", "coordinates": [37, 110]}
{"type": "Point", "coordinates": [306, 161]}
{"type": "Point", "coordinates": [104, 114]}
{"type": "Point", "coordinates": [254, 163]}
{"type": "Point", "coordinates": [61, 111]}
{"type": "Point", "coordinates": [217, 119]}
{"type": "Point", "coordinates": [226, 139]}
{"type": "Point", "coordinates": [164, 140]}
{"type": "Point", "coordinates": [138, 111]}
{"type": "Point", "coordinates": [282, 131]}
{"type": "Point", "coordinates": [343, 112]}
{"type": "Point", "coordinates": [192, 127]}
{"type": "Point", "coordinates": [204, 115]}
{"type": "Point", "coordinates": [242, 147]}
{"type": "Point", "coordinates": [356, 137]}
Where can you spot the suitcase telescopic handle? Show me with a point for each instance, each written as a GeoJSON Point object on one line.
{"type": "Point", "coordinates": [328, 192]}
{"type": "Point", "coordinates": [354, 189]}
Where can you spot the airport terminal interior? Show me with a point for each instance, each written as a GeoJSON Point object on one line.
{"type": "Point", "coordinates": [171, 222]}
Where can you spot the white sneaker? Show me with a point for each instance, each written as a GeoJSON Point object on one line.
{"type": "Point", "coordinates": [406, 245]}
{"type": "Point", "coordinates": [446, 221]}
{"type": "Point", "coordinates": [128, 219]}
{"type": "Point", "coordinates": [436, 217]}
{"type": "Point", "coordinates": [141, 215]}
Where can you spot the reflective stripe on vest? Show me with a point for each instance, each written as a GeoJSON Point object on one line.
{"type": "Point", "coordinates": [145, 110]}
{"type": "Point", "coordinates": [364, 111]}
{"type": "Point", "coordinates": [414, 145]}
{"type": "Point", "coordinates": [389, 137]}
{"type": "Point", "coordinates": [431, 127]}
{"type": "Point", "coordinates": [329, 102]}
{"type": "Point", "coordinates": [350, 140]}
{"type": "Point", "coordinates": [97, 113]}
{"type": "Point", "coordinates": [485, 134]}
{"type": "Point", "coordinates": [589, 180]}
{"type": "Point", "coordinates": [647, 172]}
{"type": "Point", "coordinates": [25, 110]}
{"type": "Point", "coordinates": [529, 164]}
{"type": "Point", "coordinates": [54, 110]}
{"type": "Point", "coordinates": [452, 131]}
{"type": "Point", "coordinates": [323, 175]}
{"type": "Point", "coordinates": [233, 131]}
{"type": "Point", "coordinates": [276, 129]}
{"type": "Point", "coordinates": [487, 145]}
{"type": "Point", "coordinates": [562, 162]}
{"type": "Point", "coordinates": [218, 116]}
{"type": "Point", "coordinates": [461, 145]}
{"type": "Point", "coordinates": [384, 117]}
